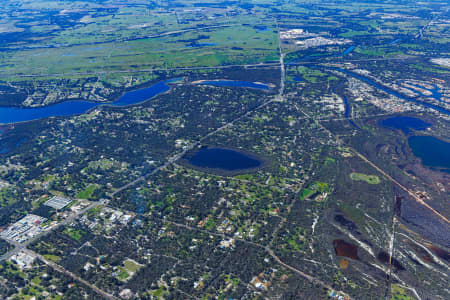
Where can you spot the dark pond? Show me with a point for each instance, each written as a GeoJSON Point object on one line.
{"type": "Point", "coordinates": [223, 159]}
{"type": "Point", "coordinates": [347, 223]}
{"type": "Point", "coordinates": [386, 258]}
{"type": "Point", "coordinates": [440, 252]}
{"type": "Point", "coordinates": [70, 108]}
{"type": "Point", "coordinates": [237, 83]}
{"type": "Point", "coordinates": [432, 151]}
{"type": "Point", "coordinates": [343, 248]}
{"type": "Point", "coordinates": [405, 123]}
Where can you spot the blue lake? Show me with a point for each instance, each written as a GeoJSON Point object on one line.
{"type": "Point", "coordinates": [237, 83]}
{"type": "Point", "coordinates": [432, 151]}
{"type": "Point", "coordinates": [10, 115]}
{"type": "Point", "coordinates": [405, 123]}
{"type": "Point", "coordinates": [223, 159]}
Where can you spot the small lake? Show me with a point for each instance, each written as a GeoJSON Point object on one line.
{"type": "Point", "coordinates": [432, 151]}
{"type": "Point", "coordinates": [405, 123]}
{"type": "Point", "coordinates": [223, 159]}
{"type": "Point", "coordinates": [10, 115]}
{"type": "Point", "coordinates": [237, 83]}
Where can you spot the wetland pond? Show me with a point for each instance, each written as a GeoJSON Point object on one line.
{"type": "Point", "coordinates": [432, 151]}
{"type": "Point", "coordinates": [405, 123]}
{"type": "Point", "coordinates": [222, 160]}
{"type": "Point", "coordinates": [343, 248]}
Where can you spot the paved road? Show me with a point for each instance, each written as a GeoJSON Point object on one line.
{"type": "Point", "coordinates": [101, 73]}
{"type": "Point", "coordinates": [401, 186]}
{"type": "Point", "coordinates": [64, 271]}
{"type": "Point", "coordinates": [173, 159]}
{"type": "Point", "coordinates": [147, 70]}
{"type": "Point", "coordinates": [22, 246]}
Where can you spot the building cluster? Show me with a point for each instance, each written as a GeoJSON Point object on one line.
{"type": "Point", "coordinates": [332, 102]}
{"type": "Point", "coordinates": [263, 280]}
{"type": "Point", "coordinates": [337, 296]}
{"type": "Point", "coordinates": [321, 41]}
{"type": "Point", "coordinates": [58, 202]}
{"type": "Point", "coordinates": [23, 259]}
{"type": "Point", "coordinates": [361, 91]}
{"type": "Point", "coordinates": [108, 218]}
{"type": "Point", "coordinates": [295, 33]}
{"type": "Point", "coordinates": [441, 61]}
{"type": "Point", "coordinates": [3, 184]}
{"type": "Point", "coordinates": [24, 229]}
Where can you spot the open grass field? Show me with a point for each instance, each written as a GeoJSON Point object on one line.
{"type": "Point", "coordinates": [87, 193]}
{"type": "Point", "coordinates": [234, 44]}
{"type": "Point", "coordinates": [371, 179]}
